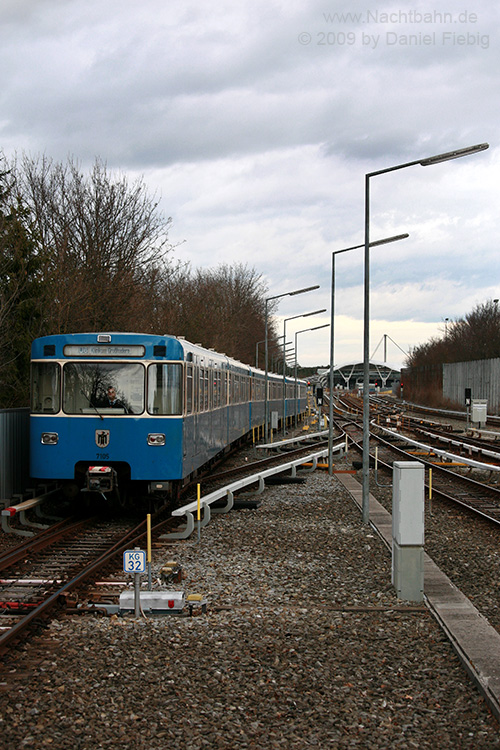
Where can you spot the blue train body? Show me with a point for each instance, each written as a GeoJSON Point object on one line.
{"type": "Point", "coordinates": [178, 406]}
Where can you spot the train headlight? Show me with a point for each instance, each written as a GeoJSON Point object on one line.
{"type": "Point", "coordinates": [49, 438]}
{"type": "Point", "coordinates": [156, 438]}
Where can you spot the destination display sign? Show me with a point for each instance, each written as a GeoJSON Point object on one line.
{"type": "Point", "coordinates": [104, 350]}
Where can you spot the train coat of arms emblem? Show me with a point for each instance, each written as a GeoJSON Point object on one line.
{"type": "Point", "coordinates": [102, 438]}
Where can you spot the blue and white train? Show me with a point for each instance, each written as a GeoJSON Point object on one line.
{"type": "Point", "coordinates": [178, 407]}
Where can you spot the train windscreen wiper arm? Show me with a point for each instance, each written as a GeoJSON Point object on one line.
{"type": "Point", "coordinates": [91, 404]}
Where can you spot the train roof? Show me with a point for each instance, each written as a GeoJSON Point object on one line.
{"type": "Point", "coordinates": [133, 345]}
{"type": "Point", "coordinates": [123, 345]}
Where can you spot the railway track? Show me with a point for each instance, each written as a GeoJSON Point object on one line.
{"type": "Point", "coordinates": [465, 445]}
{"type": "Point", "coordinates": [38, 575]}
{"type": "Point", "coordinates": [251, 467]}
{"type": "Point", "coordinates": [492, 420]}
{"type": "Point", "coordinates": [476, 496]}
{"type": "Point", "coordinates": [45, 538]}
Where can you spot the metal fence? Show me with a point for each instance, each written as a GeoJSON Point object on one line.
{"type": "Point", "coordinates": [14, 451]}
{"type": "Point", "coordinates": [481, 376]}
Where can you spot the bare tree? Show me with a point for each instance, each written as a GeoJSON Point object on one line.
{"type": "Point", "coordinates": [222, 308]}
{"type": "Point", "coordinates": [91, 252]}
{"type": "Point", "coordinates": [476, 336]}
{"type": "Point", "coordinates": [100, 238]}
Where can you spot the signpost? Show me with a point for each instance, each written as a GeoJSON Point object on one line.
{"type": "Point", "coordinates": [468, 402]}
{"type": "Point", "coordinates": [134, 561]}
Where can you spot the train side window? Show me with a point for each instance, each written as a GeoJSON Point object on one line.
{"type": "Point", "coordinates": [201, 389]}
{"type": "Point", "coordinates": [189, 389]}
{"type": "Point", "coordinates": [45, 388]}
{"type": "Point", "coordinates": [217, 389]}
{"type": "Point", "coordinates": [165, 389]}
{"type": "Point", "coordinates": [211, 376]}
{"type": "Point", "coordinates": [196, 384]}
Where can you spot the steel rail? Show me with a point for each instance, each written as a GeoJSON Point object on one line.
{"type": "Point", "coordinates": [131, 537]}
{"type": "Point", "coordinates": [41, 541]}
{"type": "Point", "coordinates": [450, 475]}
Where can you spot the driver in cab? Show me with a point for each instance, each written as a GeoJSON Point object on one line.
{"type": "Point", "coordinates": [112, 401]}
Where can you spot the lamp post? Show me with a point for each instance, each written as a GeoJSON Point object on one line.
{"type": "Point", "coordinates": [315, 328]}
{"type": "Point", "coordinates": [385, 241]}
{"type": "Point", "coordinates": [294, 317]}
{"type": "Point", "coordinates": [429, 161]}
{"type": "Point", "coordinates": [266, 399]}
{"type": "Point", "coordinates": [257, 352]}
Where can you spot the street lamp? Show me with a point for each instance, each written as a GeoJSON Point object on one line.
{"type": "Point", "coordinates": [304, 315]}
{"type": "Point", "coordinates": [385, 241]}
{"type": "Point", "coordinates": [429, 161]}
{"type": "Point", "coordinates": [257, 350]}
{"type": "Point", "coordinates": [316, 328]}
{"type": "Point", "coordinates": [266, 399]}
{"type": "Point", "coordinates": [286, 352]}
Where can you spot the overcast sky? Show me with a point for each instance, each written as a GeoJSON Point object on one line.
{"type": "Point", "coordinates": [255, 121]}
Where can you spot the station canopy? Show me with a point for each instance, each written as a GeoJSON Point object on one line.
{"type": "Point", "coordinates": [350, 374]}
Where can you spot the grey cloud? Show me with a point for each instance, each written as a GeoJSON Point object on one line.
{"type": "Point", "coordinates": [259, 141]}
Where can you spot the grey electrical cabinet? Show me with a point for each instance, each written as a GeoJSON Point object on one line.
{"type": "Point", "coordinates": [479, 408]}
{"type": "Point", "coordinates": [408, 525]}
{"type": "Point", "coordinates": [408, 503]}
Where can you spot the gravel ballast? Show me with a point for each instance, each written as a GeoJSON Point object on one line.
{"type": "Point", "coordinates": [304, 645]}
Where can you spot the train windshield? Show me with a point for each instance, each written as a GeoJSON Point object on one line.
{"type": "Point", "coordinates": [45, 387]}
{"type": "Point", "coordinates": [108, 387]}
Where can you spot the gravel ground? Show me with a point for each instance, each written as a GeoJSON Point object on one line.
{"type": "Point", "coordinates": [304, 645]}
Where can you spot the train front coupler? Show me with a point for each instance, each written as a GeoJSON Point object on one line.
{"type": "Point", "coordinates": [101, 479]}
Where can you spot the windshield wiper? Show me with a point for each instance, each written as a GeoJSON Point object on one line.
{"type": "Point", "coordinates": [91, 404]}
